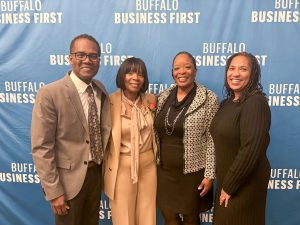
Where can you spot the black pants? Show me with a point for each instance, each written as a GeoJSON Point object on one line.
{"type": "Point", "coordinates": [84, 208]}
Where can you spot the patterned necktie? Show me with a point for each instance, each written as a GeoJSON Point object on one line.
{"type": "Point", "coordinates": [94, 128]}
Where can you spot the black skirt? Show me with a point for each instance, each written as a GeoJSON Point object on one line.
{"type": "Point", "coordinates": [177, 191]}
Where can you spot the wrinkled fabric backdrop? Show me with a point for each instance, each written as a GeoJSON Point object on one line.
{"type": "Point", "coordinates": [34, 46]}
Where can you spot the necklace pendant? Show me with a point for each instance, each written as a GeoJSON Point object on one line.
{"type": "Point", "coordinates": [169, 127]}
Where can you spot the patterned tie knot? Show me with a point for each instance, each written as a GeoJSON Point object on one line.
{"type": "Point", "coordinates": [89, 90]}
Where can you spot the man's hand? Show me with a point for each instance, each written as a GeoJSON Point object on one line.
{"type": "Point", "coordinates": [59, 205]}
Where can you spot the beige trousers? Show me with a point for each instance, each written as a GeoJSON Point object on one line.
{"type": "Point", "coordinates": [135, 204]}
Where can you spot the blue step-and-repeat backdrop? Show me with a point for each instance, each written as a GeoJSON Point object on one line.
{"type": "Point", "coordinates": [34, 46]}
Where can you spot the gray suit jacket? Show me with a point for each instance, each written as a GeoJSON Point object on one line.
{"type": "Point", "coordinates": [60, 137]}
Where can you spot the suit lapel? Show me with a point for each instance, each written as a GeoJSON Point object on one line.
{"type": "Point", "coordinates": [75, 100]}
{"type": "Point", "coordinates": [199, 99]}
{"type": "Point", "coordinates": [116, 119]}
{"type": "Point", "coordinates": [146, 100]}
{"type": "Point", "coordinates": [150, 98]}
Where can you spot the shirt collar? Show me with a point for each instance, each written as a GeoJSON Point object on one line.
{"type": "Point", "coordinates": [79, 84]}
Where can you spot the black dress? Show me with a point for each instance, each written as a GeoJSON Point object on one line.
{"type": "Point", "coordinates": [241, 135]}
{"type": "Point", "coordinates": [177, 191]}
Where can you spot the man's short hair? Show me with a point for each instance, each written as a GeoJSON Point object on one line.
{"type": "Point", "coordinates": [85, 36]}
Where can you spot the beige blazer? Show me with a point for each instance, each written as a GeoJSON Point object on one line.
{"type": "Point", "coordinates": [60, 137]}
{"type": "Point", "coordinates": [111, 163]}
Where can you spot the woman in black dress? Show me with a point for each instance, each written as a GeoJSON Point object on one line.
{"type": "Point", "coordinates": [240, 131]}
{"type": "Point", "coordinates": [187, 155]}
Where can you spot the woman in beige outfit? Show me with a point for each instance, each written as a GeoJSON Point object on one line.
{"type": "Point", "coordinates": [130, 166]}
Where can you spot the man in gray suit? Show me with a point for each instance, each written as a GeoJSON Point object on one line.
{"type": "Point", "coordinates": [67, 154]}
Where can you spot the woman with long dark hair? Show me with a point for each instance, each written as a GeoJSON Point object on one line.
{"type": "Point", "coordinates": [240, 131]}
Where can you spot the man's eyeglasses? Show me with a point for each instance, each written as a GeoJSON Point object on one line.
{"type": "Point", "coordinates": [82, 56]}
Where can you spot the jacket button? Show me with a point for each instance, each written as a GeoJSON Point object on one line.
{"type": "Point", "coordinates": [87, 141]}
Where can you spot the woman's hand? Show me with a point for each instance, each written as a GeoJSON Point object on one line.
{"type": "Point", "coordinates": [205, 185]}
{"type": "Point", "coordinates": [224, 197]}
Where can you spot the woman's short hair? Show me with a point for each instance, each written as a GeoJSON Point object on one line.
{"type": "Point", "coordinates": [254, 84]}
{"type": "Point", "coordinates": [187, 54]}
{"type": "Point", "coordinates": [136, 65]}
